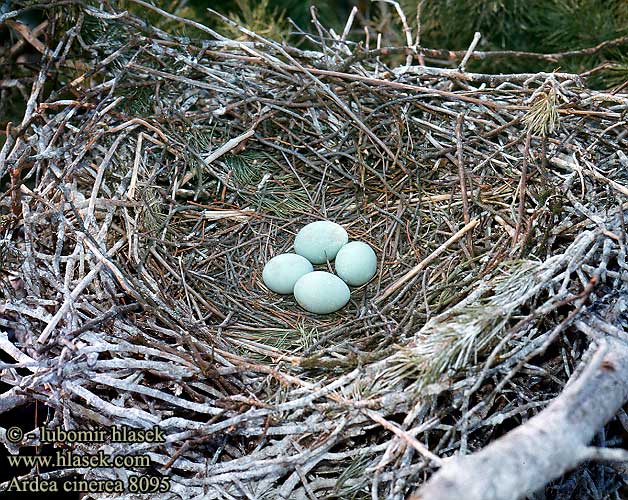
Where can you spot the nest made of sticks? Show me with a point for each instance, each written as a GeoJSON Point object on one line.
{"type": "Point", "coordinates": [153, 175]}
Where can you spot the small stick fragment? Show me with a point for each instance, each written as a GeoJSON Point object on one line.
{"type": "Point", "coordinates": [522, 189]}
{"type": "Point", "coordinates": [423, 264]}
{"type": "Point", "coordinates": [224, 149]}
{"type": "Point", "coordinates": [463, 181]}
{"type": "Point", "coordinates": [474, 43]}
{"type": "Point", "coordinates": [407, 438]}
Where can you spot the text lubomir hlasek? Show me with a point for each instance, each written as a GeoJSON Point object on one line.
{"type": "Point", "coordinates": [116, 434]}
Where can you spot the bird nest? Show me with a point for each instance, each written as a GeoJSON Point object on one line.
{"type": "Point", "coordinates": [153, 174]}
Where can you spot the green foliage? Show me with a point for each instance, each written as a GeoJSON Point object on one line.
{"type": "Point", "coordinates": [614, 73]}
{"type": "Point", "coordinates": [451, 23]}
{"type": "Point", "coordinates": [533, 25]}
{"type": "Point", "coordinates": [260, 18]}
{"type": "Point", "coordinates": [351, 484]}
{"type": "Point", "coordinates": [569, 24]}
{"type": "Point", "coordinates": [139, 100]}
{"type": "Point", "coordinates": [545, 26]}
{"type": "Point", "coordinates": [266, 17]}
{"type": "Point", "coordinates": [95, 31]}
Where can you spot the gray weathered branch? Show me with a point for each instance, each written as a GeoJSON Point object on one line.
{"type": "Point", "coordinates": [548, 445]}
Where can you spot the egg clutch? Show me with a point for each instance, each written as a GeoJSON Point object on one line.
{"type": "Point", "coordinates": [321, 292]}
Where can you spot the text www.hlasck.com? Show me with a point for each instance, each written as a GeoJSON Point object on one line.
{"type": "Point", "coordinates": [70, 459]}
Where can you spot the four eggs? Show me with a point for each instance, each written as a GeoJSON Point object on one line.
{"type": "Point", "coordinates": [321, 292]}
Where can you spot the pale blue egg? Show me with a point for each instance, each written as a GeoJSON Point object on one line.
{"type": "Point", "coordinates": [320, 241]}
{"type": "Point", "coordinates": [321, 292]}
{"type": "Point", "coordinates": [283, 271]}
{"type": "Point", "coordinates": [356, 263]}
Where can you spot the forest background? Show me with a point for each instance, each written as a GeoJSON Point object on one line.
{"type": "Point", "coordinates": [546, 26]}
